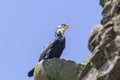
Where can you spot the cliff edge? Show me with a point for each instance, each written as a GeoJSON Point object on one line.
{"type": "Point", "coordinates": [57, 69]}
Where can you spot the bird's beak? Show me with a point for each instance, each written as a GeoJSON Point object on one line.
{"type": "Point", "coordinates": [68, 26]}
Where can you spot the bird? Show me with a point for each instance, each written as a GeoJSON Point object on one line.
{"type": "Point", "coordinates": [55, 48]}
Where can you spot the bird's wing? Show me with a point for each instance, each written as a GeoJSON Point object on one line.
{"type": "Point", "coordinates": [47, 48]}
{"type": "Point", "coordinates": [44, 53]}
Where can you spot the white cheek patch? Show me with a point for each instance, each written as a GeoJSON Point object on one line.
{"type": "Point", "coordinates": [60, 29]}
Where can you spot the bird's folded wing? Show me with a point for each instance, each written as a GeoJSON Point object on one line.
{"type": "Point", "coordinates": [47, 47]}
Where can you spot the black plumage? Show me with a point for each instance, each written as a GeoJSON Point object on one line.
{"type": "Point", "coordinates": [55, 48]}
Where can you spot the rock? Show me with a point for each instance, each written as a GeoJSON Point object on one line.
{"type": "Point", "coordinates": [95, 37]}
{"type": "Point", "coordinates": [116, 21]}
{"type": "Point", "coordinates": [115, 10]}
{"type": "Point", "coordinates": [103, 2]}
{"type": "Point", "coordinates": [57, 69]}
{"type": "Point", "coordinates": [107, 9]}
{"type": "Point", "coordinates": [104, 43]}
{"type": "Point", "coordinates": [39, 72]}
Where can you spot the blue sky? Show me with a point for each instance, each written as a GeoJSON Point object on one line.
{"type": "Point", "coordinates": [26, 26]}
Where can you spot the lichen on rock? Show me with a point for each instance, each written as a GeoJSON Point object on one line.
{"type": "Point", "coordinates": [57, 69]}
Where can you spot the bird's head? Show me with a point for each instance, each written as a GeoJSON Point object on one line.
{"type": "Point", "coordinates": [61, 29]}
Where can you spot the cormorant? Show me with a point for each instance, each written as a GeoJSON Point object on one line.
{"type": "Point", "coordinates": [55, 48]}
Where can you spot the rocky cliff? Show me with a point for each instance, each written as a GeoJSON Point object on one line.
{"type": "Point", "coordinates": [104, 43]}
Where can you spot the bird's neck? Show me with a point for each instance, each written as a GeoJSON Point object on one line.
{"type": "Point", "coordinates": [60, 35]}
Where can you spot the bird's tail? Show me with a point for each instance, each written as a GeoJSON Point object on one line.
{"type": "Point", "coordinates": [30, 73]}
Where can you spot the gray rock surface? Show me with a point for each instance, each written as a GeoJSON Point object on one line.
{"type": "Point", "coordinates": [104, 43]}
{"type": "Point", "coordinates": [57, 69]}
